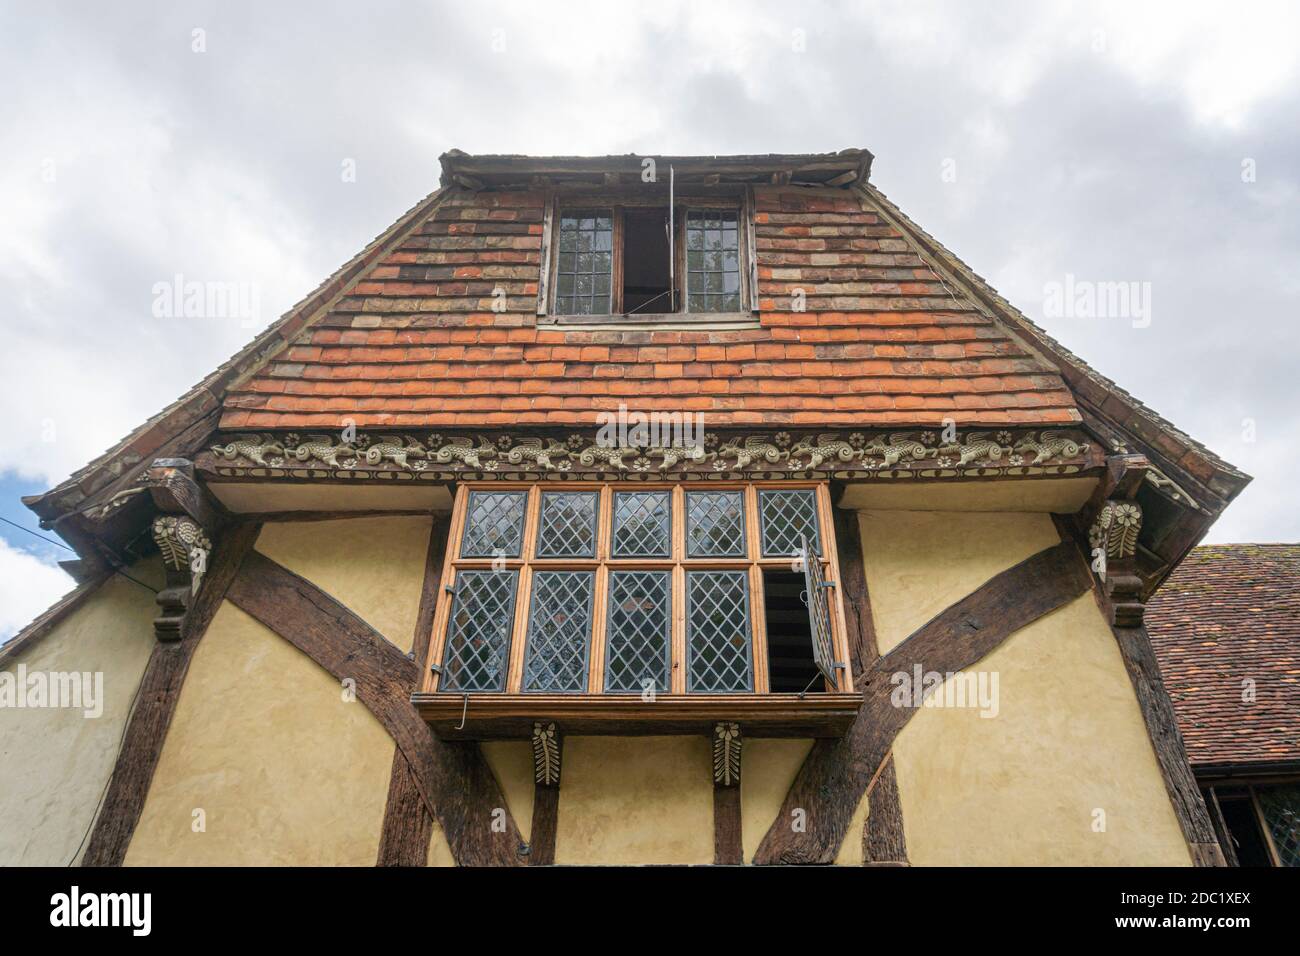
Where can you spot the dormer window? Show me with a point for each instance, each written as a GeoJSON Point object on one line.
{"type": "Point", "coordinates": [648, 259]}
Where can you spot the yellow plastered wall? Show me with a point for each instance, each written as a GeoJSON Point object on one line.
{"type": "Point", "coordinates": [1068, 744]}
{"type": "Point", "coordinates": [374, 566]}
{"type": "Point", "coordinates": [635, 800]}
{"type": "Point", "coordinates": [511, 762]}
{"type": "Point", "coordinates": [284, 770]}
{"type": "Point", "coordinates": [54, 763]}
{"type": "Point", "coordinates": [767, 769]}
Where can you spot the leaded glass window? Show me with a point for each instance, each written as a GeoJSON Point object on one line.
{"type": "Point", "coordinates": [616, 587]}
{"type": "Point", "coordinates": [712, 260]}
{"type": "Point", "coordinates": [567, 525]}
{"type": "Point", "coordinates": [642, 524]}
{"type": "Point", "coordinates": [717, 632]}
{"type": "Point", "coordinates": [559, 631]}
{"type": "Point", "coordinates": [638, 631]}
{"type": "Point", "coordinates": [1281, 809]}
{"type": "Point", "coordinates": [715, 524]}
{"type": "Point", "coordinates": [494, 524]}
{"type": "Point", "coordinates": [787, 517]}
{"type": "Point", "coordinates": [585, 263]}
{"type": "Point", "coordinates": [478, 633]}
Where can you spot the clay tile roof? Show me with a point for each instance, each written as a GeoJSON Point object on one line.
{"type": "Point", "coordinates": [420, 339]}
{"type": "Point", "coordinates": [1228, 614]}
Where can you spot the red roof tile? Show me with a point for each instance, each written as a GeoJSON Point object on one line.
{"type": "Point", "coordinates": [1229, 615]}
{"type": "Point", "coordinates": [883, 341]}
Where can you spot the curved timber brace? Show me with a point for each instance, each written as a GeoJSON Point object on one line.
{"type": "Point", "coordinates": [183, 532]}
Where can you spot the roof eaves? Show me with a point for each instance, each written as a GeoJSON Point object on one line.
{"type": "Point", "coordinates": [107, 473]}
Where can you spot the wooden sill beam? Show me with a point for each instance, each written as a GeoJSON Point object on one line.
{"type": "Point", "coordinates": [511, 716]}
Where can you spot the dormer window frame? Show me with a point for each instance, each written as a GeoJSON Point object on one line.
{"type": "Point", "coordinates": [617, 203]}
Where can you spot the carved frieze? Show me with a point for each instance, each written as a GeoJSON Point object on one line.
{"type": "Point", "coordinates": [927, 453]}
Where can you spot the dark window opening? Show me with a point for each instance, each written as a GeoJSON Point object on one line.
{"type": "Point", "coordinates": [1243, 828]}
{"type": "Point", "coordinates": [789, 635]}
{"type": "Point", "coordinates": [647, 286]}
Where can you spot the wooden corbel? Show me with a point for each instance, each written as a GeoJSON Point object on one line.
{"type": "Point", "coordinates": [1114, 523]}
{"type": "Point", "coordinates": [726, 755]}
{"type": "Point", "coordinates": [183, 532]}
{"type": "Point", "coordinates": [546, 754]}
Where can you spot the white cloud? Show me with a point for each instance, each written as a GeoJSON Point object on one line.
{"type": "Point", "coordinates": [27, 587]}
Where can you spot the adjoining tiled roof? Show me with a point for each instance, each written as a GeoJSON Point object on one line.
{"type": "Point", "coordinates": [883, 341]}
{"type": "Point", "coordinates": [1231, 614]}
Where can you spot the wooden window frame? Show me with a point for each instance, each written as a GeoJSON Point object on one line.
{"type": "Point", "coordinates": [617, 205]}
{"type": "Point", "coordinates": [677, 564]}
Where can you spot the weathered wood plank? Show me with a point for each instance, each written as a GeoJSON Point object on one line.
{"type": "Point", "coordinates": [454, 780]}
{"type": "Point", "coordinates": [160, 689]}
{"type": "Point", "coordinates": [1162, 727]}
{"type": "Point", "coordinates": [882, 839]}
{"type": "Point", "coordinates": [836, 773]}
{"type": "Point", "coordinates": [408, 824]}
{"type": "Point", "coordinates": [728, 849]}
{"type": "Point", "coordinates": [546, 818]}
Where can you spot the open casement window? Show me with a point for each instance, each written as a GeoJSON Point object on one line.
{"type": "Point", "coordinates": [639, 589]}
{"type": "Point", "coordinates": [635, 258]}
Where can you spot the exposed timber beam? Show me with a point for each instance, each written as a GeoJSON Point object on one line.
{"type": "Point", "coordinates": [836, 774]}
{"type": "Point", "coordinates": [453, 778]}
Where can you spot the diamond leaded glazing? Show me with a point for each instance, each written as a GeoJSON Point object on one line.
{"type": "Point", "coordinates": [787, 518]}
{"type": "Point", "coordinates": [478, 634]}
{"type": "Point", "coordinates": [637, 631]}
{"type": "Point", "coordinates": [1281, 807]}
{"type": "Point", "coordinates": [559, 631]}
{"type": "Point", "coordinates": [567, 526]}
{"type": "Point", "coordinates": [642, 524]}
{"type": "Point", "coordinates": [717, 632]}
{"type": "Point", "coordinates": [494, 524]}
{"type": "Point", "coordinates": [715, 524]}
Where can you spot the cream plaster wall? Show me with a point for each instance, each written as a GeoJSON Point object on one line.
{"type": "Point", "coordinates": [54, 763]}
{"type": "Point", "coordinates": [767, 769]}
{"type": "Point", "coordinates": [1020, 788]}
{"type": "Point", "coordinates": [636, 800]}
{"type": "Point", "coordinates": [285, 770]}
{"type": "Point", "coordinates": [918, 563]}
{"type": "Point", "coordinates": [374, 566]}
{"type": "Point", "coordinates": [512, 764]}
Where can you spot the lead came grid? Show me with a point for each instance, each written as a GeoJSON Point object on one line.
{"type": "Point", "coordinates": [586, 257]}
{"type": "Point", "coordinates": [788, 517]}
{"type": "Point", "coordinates": [637, 649]}
{"type": "Point", "coordinates": [494, 525]}
{"type": "Point", "coordinates": [712, 261]}
{"type": "Point", "coordinates": [559, 631]}
{"type": "Point", "coordinates": [715, 524]}
{"type": "Point", "coordinates": [642, 524]}
{"type": "Point", "coordinates": [567, 527]}
{"type": "Point", "coordinates": [718, 644]}
{"type": "Point", "coordinates": [478, 638]}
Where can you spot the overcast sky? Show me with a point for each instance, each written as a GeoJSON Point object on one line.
{"type": "Point", "coordinates": [1153, 144]}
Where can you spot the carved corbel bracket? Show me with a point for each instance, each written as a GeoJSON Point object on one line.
{"type": "Point", "coordinates": [182, 533]}
{"type": "Point", "coordinates": [185, 548]}
{"type": "Point", "coordinates": [1113, 538]}
{"type": "Point", "coordinates": [726, 755]}
{"type": "Point", "coordinates": [546, 754]}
